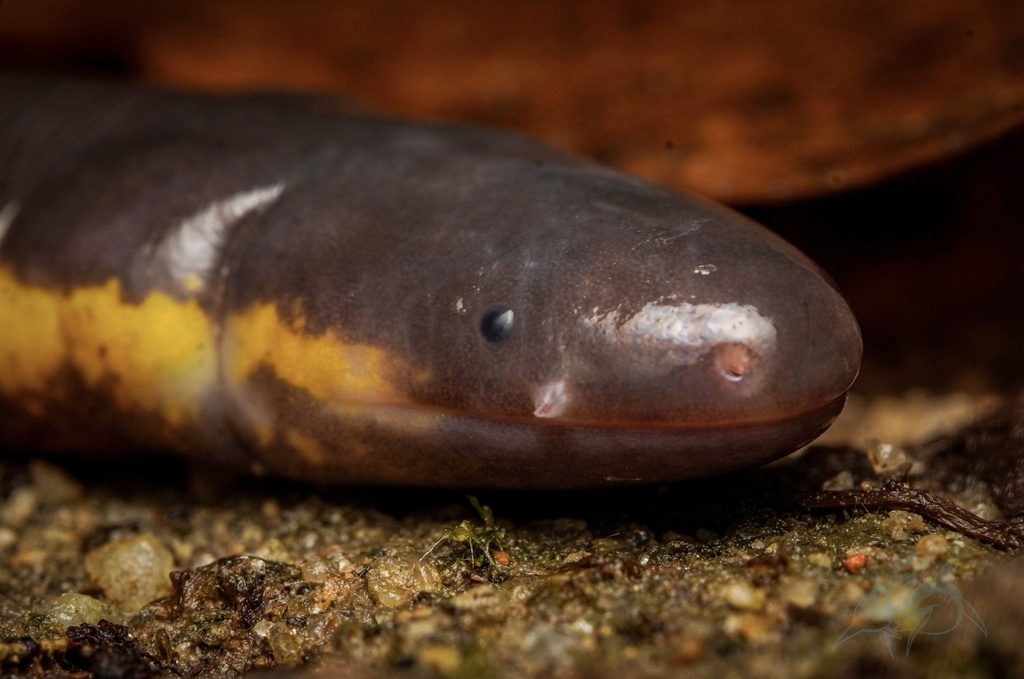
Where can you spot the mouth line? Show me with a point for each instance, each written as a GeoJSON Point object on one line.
{"type": "Point", "coordinates": [834, 403]}
{"type": "Point", "coordinates": [673, 426]}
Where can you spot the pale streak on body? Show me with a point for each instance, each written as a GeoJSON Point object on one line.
{"type": "Point", "coordinates": [7, 215]}
{"type": "Point", "coordinates": [193, 248]}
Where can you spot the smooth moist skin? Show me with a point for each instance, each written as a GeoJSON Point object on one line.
{"type": "Point", "coordinates": [261, 281]}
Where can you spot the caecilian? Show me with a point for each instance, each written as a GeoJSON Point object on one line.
{"type": "Point", "coordinates": [267, 283]}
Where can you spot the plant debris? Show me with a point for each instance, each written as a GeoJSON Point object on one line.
{"type": "Point", "coordinates": [896, 495]}
{"type": "Point", "coordinates": [987, 454]}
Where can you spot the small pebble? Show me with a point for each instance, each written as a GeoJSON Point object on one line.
{"type": "Point", "coordinates": [425, 577]}
{"type": "Point", "coordinates": [419, 625]}
{"type": "Point", "coordinates": [690, 649]}
{"type": "Point", "coordinates": [442, 659]}
{"type": "Point", "coordinates": [395, 583]}
{"type": "Point", "coordinates": [800, 593]}
{"type": "Point", "coordinates": [932, 545]}
{"type": "Point", "coordinates": [753, 627]}
{"type": "Point", "coordinates": [271, 512]}
{"type": "Point", "coordinates": [131, 572]}
{"type": "Point", "coordinates": [855, 562]}
{"type": "Point", "coordinates": [900, 525]}
{"type": "Point", "coordinates": [72, 609]}
{"type": "Point", "coordinates": [841, 481]}
{"type": "Point", "coordinates": [284, 644]}
{"type": "Point", "coordinates": [272, 550]}
{"type": "Point", "coordinates": [886, 458]}
{"type": "Point", "coordinates": [743, 596]}
{"type": "Point", "coordinates": [478, 598]}
{"type": "Point", "coordinates": [575, 557]}
{"type": "Point", "coordinates": [8, 538]}
{"type": "Point", "coordinates": [20, 507]}
{"type": "Point", "coordinates": [52, 484]}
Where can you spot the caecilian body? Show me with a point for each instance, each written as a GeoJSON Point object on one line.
{"type": "Point", "coordinates": [267, 283]}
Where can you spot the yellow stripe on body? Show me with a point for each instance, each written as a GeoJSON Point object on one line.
{"type": "Point", "coordinates": [329, 368]}
{"type": "Point", "coordinates": [355, 383]}
{"type": "Point", "coordinates": [157, 356]}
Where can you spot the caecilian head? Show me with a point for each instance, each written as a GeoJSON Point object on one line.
{"type": "Point", "coordinates": [523, 289]}
{"type": "Point", "coordinates": [628, 305]}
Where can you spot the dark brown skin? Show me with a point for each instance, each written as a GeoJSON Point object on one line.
{"type": "Point", "coordinates": [358, 300]}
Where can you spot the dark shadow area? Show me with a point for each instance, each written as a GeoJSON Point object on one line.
{"type": "Point", "coordinates": [930, 262]}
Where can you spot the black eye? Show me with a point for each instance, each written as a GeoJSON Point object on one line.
{"type": "Point", "coordinates": [496, 325]}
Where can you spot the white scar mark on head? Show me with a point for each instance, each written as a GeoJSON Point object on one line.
{"type": "Point", "coordinates": [7, 215]}
{"type": "Point", "coordinates": [683, 333]}
{"type": "Point", "coordinates": [193, 248]}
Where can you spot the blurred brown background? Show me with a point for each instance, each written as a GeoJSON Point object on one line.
{"type": "Point", "coordinates": [882, 137]}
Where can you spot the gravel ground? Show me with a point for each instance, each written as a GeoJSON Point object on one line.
{"type": "Point", "coordinates": [120, 570]}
